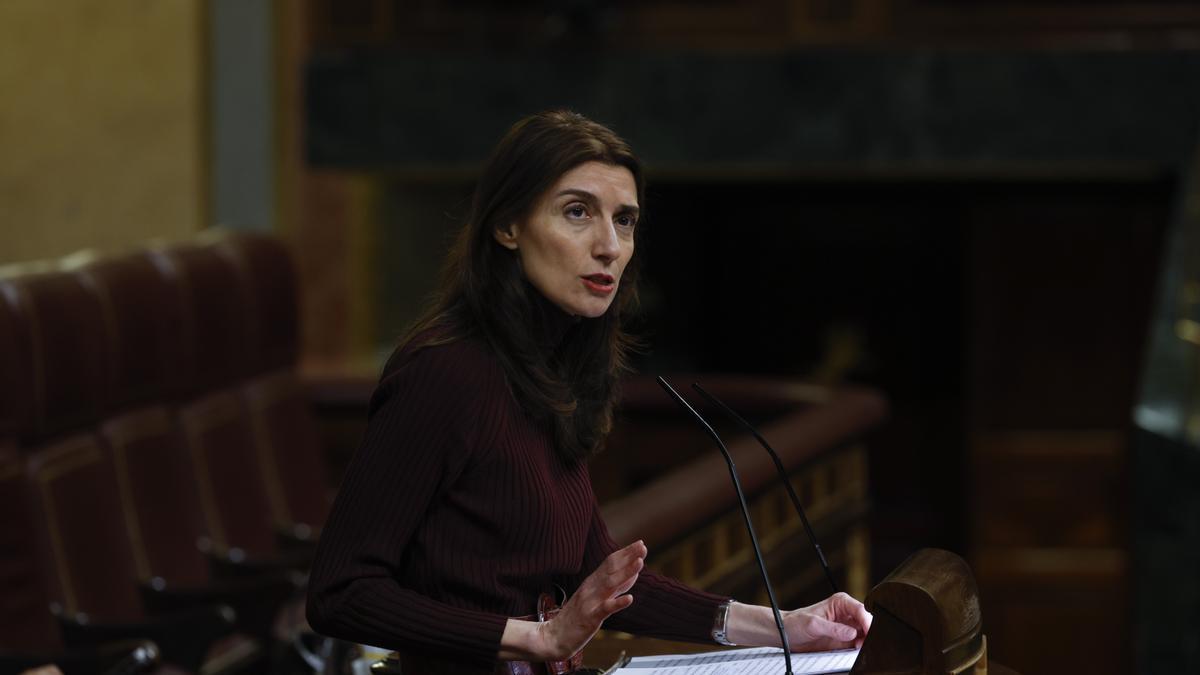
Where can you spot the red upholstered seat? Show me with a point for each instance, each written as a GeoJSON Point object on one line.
{"type": "Point", "coordinates": [25, 621]}
{"type": "Point", "coordinates": [57, 353]}
{"type": "Point", "coordinates": [215, 319]}
{"type": "Point", "coordinates": [287, 443]}
{"type": "Point", "coordinates": [183, 442]}
{"type": "Point", "coordinates": [80, 534]}
{"type": "Point", "coordinates": [160, 493]}
{"type": "Point", "coordinates": [285, 431]}
{"type": "Point", "coordinates": [29, 634]}
{"type": "Point", "coordinates": [144, 331]}
{"type": "Point", "coordinates": [83, 534]}
{"type": "Point", "coordinates": [15, 401]}
{"type": "Point", "coordinates": [82, 530]}
{"type": "Point", "coordinates": [189, 466]}
{"type": "Point", "coordinates": [269, 286]}
{"type": "Point", "coordinates": [220, 439]}
{"type": "Point", "coordinates": [144, 322]}
{"type": "Point", "coordinates": [215, 421]}
{"type": "Point", "coordinates": [60, 344]}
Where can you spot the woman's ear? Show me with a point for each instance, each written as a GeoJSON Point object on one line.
{"type": "Point", "coordinates": [507, 236]}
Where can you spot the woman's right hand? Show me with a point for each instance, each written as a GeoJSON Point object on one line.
{"type": "Point", "coordinates": [600, 596]}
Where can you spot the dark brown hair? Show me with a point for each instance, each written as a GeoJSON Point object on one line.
{"type": "Point", "coordinates": [568, 381]}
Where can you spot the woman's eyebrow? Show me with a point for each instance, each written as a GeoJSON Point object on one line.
{"type": "Point", "coordinates": [582, 194]}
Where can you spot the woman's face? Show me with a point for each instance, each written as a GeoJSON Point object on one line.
{"type": "Point", "coordinates": [578, 238]}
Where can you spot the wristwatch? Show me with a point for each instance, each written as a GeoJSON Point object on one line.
{"type": "Point", "coordinates": [720, 624]}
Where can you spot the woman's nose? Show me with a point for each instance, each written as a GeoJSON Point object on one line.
{"type": "Point", "coordinates": [606, 246]}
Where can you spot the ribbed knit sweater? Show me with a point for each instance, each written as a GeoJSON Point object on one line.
{"type": "Point", "coordinates": [456, 513]}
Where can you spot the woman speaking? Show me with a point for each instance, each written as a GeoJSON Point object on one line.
{"type": "Point", "coordinates": [469, 497]}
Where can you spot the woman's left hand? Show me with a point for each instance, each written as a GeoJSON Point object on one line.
{"type": "Point", "coordinates": [837, 622]}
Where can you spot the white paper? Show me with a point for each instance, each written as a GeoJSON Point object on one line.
{"type": "Point", "coordinates": [758, 661]}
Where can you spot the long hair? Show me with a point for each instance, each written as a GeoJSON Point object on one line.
{"type": "Point", "coordinates": [572, 383]}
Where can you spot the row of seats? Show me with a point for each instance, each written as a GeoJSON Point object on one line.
{"type": "Point", "coordinates": [157, 454]}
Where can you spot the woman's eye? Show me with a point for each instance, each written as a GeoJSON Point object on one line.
{"type": "Point", "coordinates": [576, 211]}
{"type": "Point", "coordinates": [626, 221]}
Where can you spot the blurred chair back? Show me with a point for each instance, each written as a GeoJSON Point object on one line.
{"type": "Point", "coordinates": [159, 493]}
{"type": "Point", "coordinates": [57, 354]}
{"type": "Point", "coordinates": [286, 439]}
{"type": "Point", "coordinates": [157, 481]}
{"type": "Point", "coordinates": [15, 408]}
{"type": "Point", "coordinates": [285, 431]}
{"type": "Point", "coordinates": [80, 534]}
{"type": "Point", "coordinates": [83, 535]}
{"type": "Point", "coordinates": [26, 624]}
{"type": "Point", "coordinates": [144, 321]}
{"type": "Point", "coordinates": [215, 420]}
{"type": "Point", "coordinates": [93, 364]}
{"type": "Point", "coordinates": [220, 440]}
{"type": "Point", "coordinates": [215, 319]}
{"type": "Point", "coordinates": [268, 279]}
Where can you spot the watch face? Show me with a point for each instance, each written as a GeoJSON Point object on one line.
{"type": "Point", "coordinates": [719, 624]}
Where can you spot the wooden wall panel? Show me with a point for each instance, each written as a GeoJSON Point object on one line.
{"type": "Point", "coordinates": [753, 24]}
{"type": "Point", "coordinates": [1061, 286]}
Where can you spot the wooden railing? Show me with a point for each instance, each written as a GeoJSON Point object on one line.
{"type": "Point", "coordinates": [689, 518]}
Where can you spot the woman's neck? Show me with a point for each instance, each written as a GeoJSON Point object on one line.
{"type": "Point", "coordinates": [550, 322]}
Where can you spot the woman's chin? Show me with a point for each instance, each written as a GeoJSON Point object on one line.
{"type": "Point", "coordinates": [590, 312]}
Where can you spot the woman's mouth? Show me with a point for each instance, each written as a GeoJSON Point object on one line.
{"type": "Point", "coordinates": [599, 283]}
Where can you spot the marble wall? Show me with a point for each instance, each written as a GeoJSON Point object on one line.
{"type": "Point", "coordinates": [101, 124]}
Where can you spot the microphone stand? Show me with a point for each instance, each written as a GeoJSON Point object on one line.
{"type": "Point", "coordinates": [783, 477]}
{"type": "Point", "coordinates": [737, 485]}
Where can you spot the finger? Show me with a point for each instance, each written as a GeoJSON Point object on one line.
{"type": "Point", "coordinates": [853, 612]}
{"type": "Point", "coordinates": [637, 549]}
{"type": "Point", "coordinates": [617, 584]}
{"type": "Point", "coordinates": [627, 583]}
{"type": "Point", "coordinates": [863, 619]}
{"type": "Point", "coordinates": [824, 628]}
{"type": "Point", "coordinates": [618, 576]}
{"type": "Point", "coordinates": [602, 609]}
{"type": "Point", "coordinates": [614, 574]}
{"type": "Point", "coordinates": [612, 568]}
{"type": "Point", "coordinates": [617, 604]}
{"type": "Point", "coordinates": [599, 588]}
{"type": "Point", "coordinates": [622, 556]}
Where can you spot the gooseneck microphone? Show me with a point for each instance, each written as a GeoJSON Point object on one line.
{"type": "Point", "coordinates": [783, 478]}
{"type": "Point", "coordinates": [737, 486]}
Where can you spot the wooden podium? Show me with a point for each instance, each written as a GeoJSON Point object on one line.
{"type": "Point", "coordinates": [927, 620]}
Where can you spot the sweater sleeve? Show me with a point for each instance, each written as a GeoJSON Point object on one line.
{"type": "Point", "coordinates": [662, 607]}
{"type": "Point", "coordinates": [425, 421]}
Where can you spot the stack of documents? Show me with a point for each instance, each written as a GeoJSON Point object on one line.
{"type": "Point", "coordinates": [758, 661]}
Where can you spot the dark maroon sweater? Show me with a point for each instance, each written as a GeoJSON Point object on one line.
{"type": "Point", "coordinates": [456, 512]}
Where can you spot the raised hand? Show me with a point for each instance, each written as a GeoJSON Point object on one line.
{"type": "Point", "coordinates": [600, 596]}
